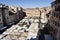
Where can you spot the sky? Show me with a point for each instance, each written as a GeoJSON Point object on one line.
{"type": "Point", "coordinates": [27, 3]}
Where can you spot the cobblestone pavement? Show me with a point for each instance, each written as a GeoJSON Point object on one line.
{"type": "Point", "coordinates": [26, 29]}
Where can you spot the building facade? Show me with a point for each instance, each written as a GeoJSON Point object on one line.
{"type": "Point", "coordinates": [54, 21]}
{"type": "Point", "coordinates": [1, 19]}
{"type": "Point", "coordinates": [32, 12]}
{"type": "Point", "coordinates": [4, 13]}
{"type": "Point", "coordinates": [17, 13]}
{"type": "Point", "coordinates": [10, 14]}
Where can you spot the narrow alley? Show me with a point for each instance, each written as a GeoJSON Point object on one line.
{"type": "Point", "coordinates": [26, 29]}
{"type": "Point", "coordinates": [30, 20]}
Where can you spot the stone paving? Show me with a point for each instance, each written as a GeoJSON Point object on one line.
{"type": "Point", "coordinates": [33, 30]}
{"type": "Point", "coordinates": [24, 30]}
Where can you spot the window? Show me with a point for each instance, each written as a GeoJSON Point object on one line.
{"type": "Point", "coordinates": [0, 15]}
{"type": "Point", "coordinates": [0, 19]}
{"type": "Point", "coordinates": [13, 10]}
{"type": "Point", "coordinates": [59, 16]}
{"type": "Point", "coordinates": [11, 13]}
{"type": "Point", "coordinates": [56, 14]}
{"type": "Point", "coordinates": [55, 23]}
{"type": "Point", "coordinates": [0, 10]}
{"type": "Point", "coordinates": [58, 24]}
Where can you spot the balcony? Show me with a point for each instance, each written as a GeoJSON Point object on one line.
{"type": "Point", "coordinates": [57, 7]}
{"type": "Point", "coordinates": [53, 24]}
{"type": "Point", "coordinates": [55, 11]}
{"type": "Point", "coordinates": [55, 19]}
{"type": "Point", "coordinates": [56, 15]}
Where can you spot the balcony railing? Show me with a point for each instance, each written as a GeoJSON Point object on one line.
{"type": "Point", "coordinates": [53, 26]}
